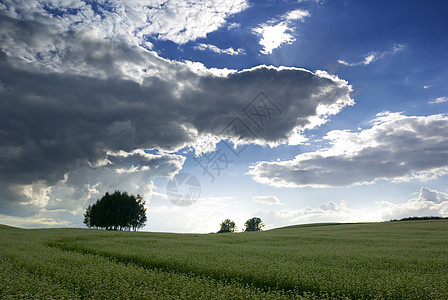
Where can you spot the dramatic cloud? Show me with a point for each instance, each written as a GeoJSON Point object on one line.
{"type": "Point", "coordinates": [267, 200]}
{"type": "Point", "coordinates": [228, 51]}
{"type": "Point", "coordinates": [277, 32]}
{"type": "Point", "coordinates": [73, 98]}
{"type": "Point", "coordinates": [396, 147]}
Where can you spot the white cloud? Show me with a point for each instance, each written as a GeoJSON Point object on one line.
{"type": "Point", "coordinates": [181, 21]}
{"type": "Point", "coordinates": [175, 20]}
{"type": "Point", "coordinates": [428, 195]}
{"type": "Point", "coordinates": [233, 25]}
{"type": "Point", "coordinates": [297, 14]}
{"type": "Point", "coordinates": [369, 59]}
{"type": "Point", "coordinates": [273, 36]}
{"type": "Point", "coordinates": [396, 147]}
{"type": "Point", "coordinates": [36, 193]}
{"type": "Point", "coordinates": [439, 100]}
{"type": "Point", "coordinates": [267, 200]}
{"type": "Point", "coordinates": [374, 56]}
{"type": "Point", "coordinates": [277, 32]}
{"type": "Point", "coordinates": [428, 203]}
{"type": "Point", "coordinates": [228, 51]}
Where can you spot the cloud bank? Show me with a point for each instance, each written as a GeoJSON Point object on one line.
{"type": "Point", "coordinates": [79, 102]}
{"type": "Point", "coordinates": [396, 148]}
{"type": "Point", "coordinates": [428, 203]}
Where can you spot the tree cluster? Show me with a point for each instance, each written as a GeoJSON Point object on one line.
{"type": "Point", "coordinates": [253, 224]}
{"type": "Point", "coordinates": [117, 211]}
{"type": "Point", "coordinates": [227, 226]}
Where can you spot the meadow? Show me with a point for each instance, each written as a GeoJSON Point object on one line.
{"type": "Point", "coordinates": [391, 260]}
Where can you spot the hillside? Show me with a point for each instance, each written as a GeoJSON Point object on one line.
{"type": "Point", "coordinates": [7, 227]}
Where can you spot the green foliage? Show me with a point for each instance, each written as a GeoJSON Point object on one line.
{"type": "Point", "coordinates": [253, 224]}
{"type": "Point", "coordinates": [391, 260]}
{"type": "Point", "coordinates": [118, 211]}
{"type": "Point", "coordinates": [227, 226]}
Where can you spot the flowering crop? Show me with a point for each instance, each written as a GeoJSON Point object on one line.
{"type": "Point", "coordinates": [397, 260]}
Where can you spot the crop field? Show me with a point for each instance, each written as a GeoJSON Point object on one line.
{"type": "Point", "coordinates": [392, 260]}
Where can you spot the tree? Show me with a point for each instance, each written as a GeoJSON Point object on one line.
{"type": "Point", "coordinates": [139, 211]}
{"type": "Point", "coordinates": [254, 224]}
{"type": "Point", "coordinates": [227, 226]}
{"type": "Point", "coordinates": [117, 211]}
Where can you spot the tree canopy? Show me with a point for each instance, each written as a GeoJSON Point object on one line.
{"type": "Point", "coordinates": [227, 226]}
{"type": "Point", "coordinates": [253, 224]}
{"type": "Point", "coordinates": [117, 211]}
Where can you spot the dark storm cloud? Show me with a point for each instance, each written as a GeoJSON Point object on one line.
{"type": "Point", "coordinates": [2, 56]}
{"type": "Point", "coordinates": [298, 94]}
{"type": "Point", "coordinates": [69, 98]}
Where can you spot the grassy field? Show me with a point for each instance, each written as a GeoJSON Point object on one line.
{"type": "Point", "coordinates": [394, 260]}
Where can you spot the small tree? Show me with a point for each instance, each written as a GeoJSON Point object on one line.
{"type": "Point", "coordinates": [227, 226]}
{"type": "Point", "coordinates": [254, 224]}
{"type": "Point", "coordinates": [117, 211]}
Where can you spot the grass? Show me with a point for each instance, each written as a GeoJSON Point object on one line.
{"type": "Point", "coordinates": [394, 260]}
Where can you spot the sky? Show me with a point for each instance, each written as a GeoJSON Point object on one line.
{"type": "Point", "coordinates": [292, 111]}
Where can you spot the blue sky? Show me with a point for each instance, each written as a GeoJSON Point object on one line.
{"type": "Point", "coordinates": [105, 95]}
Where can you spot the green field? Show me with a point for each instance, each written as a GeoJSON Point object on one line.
{"type": "Point", "coordinates": [393, 260]}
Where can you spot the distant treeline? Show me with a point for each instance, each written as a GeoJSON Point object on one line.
{"type": "Point", "coordinates": [419, 218]}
